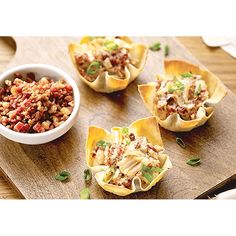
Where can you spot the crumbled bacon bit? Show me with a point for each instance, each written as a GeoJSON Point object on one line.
{"type": "Point", "coordinates": [131, 136]}
{"type": "Point", "coordinates": [127, 184]}
{"type": "Point", "coordinates": [152, 148]}
{"type": "Point", "coordinates": [30, 106]}
{"type": "Point", "coordinates": [38, 128]}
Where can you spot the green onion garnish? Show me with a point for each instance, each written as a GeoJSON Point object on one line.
{"type": "Point", "coordinates": [198, 90]}
{"type": "Point", "coordinates": [187, 75]}
{"type": "Point", "coordinates": [193, 161]}
{"type": "Point", "coordinates": [175, 86]}
{"type": "Point", "coordinates": [109, 174]}
{"type": "Point", "coordinates": [87, 175]}
{"type": "Point", "coordinates": [128, 142]}
{"type": "Point", "coordinates": [180, 142]}
{"type": "Point", "coordinates": [148, 172]}
{"type": "Point", "coordinates": [125, 131]}
{"type": "Point", "coordinates": [93, 68]}
{"type": "Point", "coordinates": [62, 176]}
{"type": "Point", "coordinates": [102, 143]}
{"type": "Point", "coordinates": [110, 45]}
{"type": "Point", "coordinates": [167, 50]}
{"type": "Point", "coordinates": [155, 47]}
{"type": "Point", "coordinates": [84, 194]}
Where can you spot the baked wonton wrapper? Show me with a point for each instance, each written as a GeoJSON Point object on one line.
{"type": "Point", "coordinates": [174, 122]}
{"type": "Point", "coordinates": [110, 83]}
{"type": "Point", "coordinates": [146, 127]}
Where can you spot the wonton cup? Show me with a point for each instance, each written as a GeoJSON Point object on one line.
{"type": "Point", "coordinates": [174, 122]}
{"type": "Point", "coordinates": [110, 83]}
{"type": "Point", "coordinates": [146, 127]}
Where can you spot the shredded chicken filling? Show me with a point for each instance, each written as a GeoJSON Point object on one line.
{"type": "Point", "coordinates": [131, 157]}
{"type": "Point", "coordinates": [183, 95]}
{"type": "Point", "coordinates": [110, 58]}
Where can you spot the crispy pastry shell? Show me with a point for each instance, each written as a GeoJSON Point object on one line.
{"type": "Point", "coordinates": [174, 122]}
{"type": "Point", "coordinates": [146, 127]}
{"type": "Point", "coordinates": [110, 83]}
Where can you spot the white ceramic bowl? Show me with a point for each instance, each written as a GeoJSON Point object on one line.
{"type": "Point", "coordinates": [230, 194]}
{"type": "Point", "coordinates": [54, 73]}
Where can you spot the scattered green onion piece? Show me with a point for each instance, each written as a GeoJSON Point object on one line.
{"type": "Point", "coordinates": [125, 131]}
{"type": "Point", "coordinates": [62, 176]}
{"type": "Point", "coordinates": [102, 143]}
{"type": "Point", "coordinates": [193, 161]}
{"type": "Point", "coordinates": [155, 47]}
{"type": "Point", "coordinates": [157, 169]}
{"type": "Point", "coordinates": [148, 176]}
{"type": "Point", "coordinates": [93, 68]}
{"type": "Point", "coordinates": [180, 142]}
{"type": "Point", "coordinates": [199, 89]}
{"type": "Point", "coordinates": [176, 86]}
{"type": "Point", "coordinates": [171, 89]}
{"type": "Point", "coordinates": [147, 172]}
{"type": "Point", "coordinates": [187, 75]}
{"type": "Point", "coordinates": [109, 174]}
{"type": "Point", "coordinates": [128, 142]}
{"type": "Point", "coordinates": [145, 168]}
{"type": "Point", "coordinates": [110, 45]}
{"type": "Point", "coordinates": [167, 50]}
{"type": "Point", "coordinates": [87, 175]}
{"type": "Point", "coordinates": [179, 85]}
{"type": "Point", "coordinates": [84, 194]}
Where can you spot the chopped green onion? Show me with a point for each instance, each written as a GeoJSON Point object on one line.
{"type": "Point", "coordinates": [84, 194]}
{"type": "Point", "coordinates": [155, 47]}
{"type": "Point", "coordinates": [125, 131]}
{"type": "Point", "coordinates": [187, 75]}
{"type": "Point", "coordinates": [175, 86]}
{"type": "Point", "coordinates": [128, 142]}
{"type": "Point", "coordinates": [148, 176]}
{"type": "Point", "coordinates": [179, 85]}
{"type": "Point", "coordinates": [110, 45]}
{"type": "Point", "coordinates": [62, 176]}
{"type": "Point", "coordinates": [87, 175]}
{"type": "Point", "coordinates": [93, 68]}
{"type": "Point", "coordinates": [102, 143]}
{"type": "Point", "coordinates": [180, 142]}
{"type": "Point", "coordinates": [109, 173]}
{"type": "Point", "coordinates": [193, 161]}
{"type": "Point", "coordinates": [171, 89]}
{"type": "Point", "coordinates": [145, 168]}
{"type": "Point", "coordinates": [148, 172]}
{"type": "Point", "coordinates": [167, 50]}
{"type": "Point", "coordinates": [198, 90]}
{"type": "Point", "coordinates": [157, 169]}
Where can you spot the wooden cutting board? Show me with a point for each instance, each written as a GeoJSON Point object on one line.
{"type": "Point", "coordinates": [31, 169]}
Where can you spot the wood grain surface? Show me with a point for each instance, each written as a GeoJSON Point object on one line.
{"type": "Point", "coordinates": [31, 169]}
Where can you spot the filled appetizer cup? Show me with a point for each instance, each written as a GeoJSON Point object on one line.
{"type": "Point", "coordinates": [182, 98]}
{"type": "Point", "coordinates": [38, 103]}
{"type": "Point", "coordinates": [108, 64]}
{"type": "Point", "coordinates": [129, 159]}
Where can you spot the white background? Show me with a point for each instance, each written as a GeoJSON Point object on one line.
{"type": "Point", "coordinates": [123, 17]}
